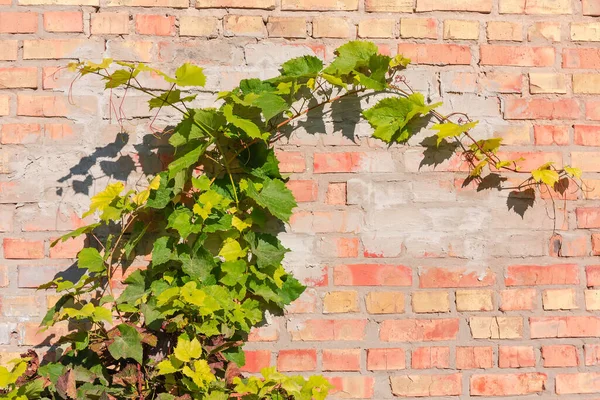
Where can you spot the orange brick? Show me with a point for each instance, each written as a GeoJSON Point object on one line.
{"type": "Point", "coordinates": [437, 54]}
{"type": "Point", "coordinates": [157, 25]}
{"type": "Point", "coordinates": [304, 191]}
{"type": "Point", "coordinates": [11, 78]}
{"type": "Point", "coordinates": [474, 357]}
{"type": "Point", "coordinates": [385, 359]}
{"type": "Point", "coordinates": [68, 249]}
{"type": "Point", "coordinates": [256, 360]}
{"type": "Point", "coordinates": [508, 384]}
{"type": "Point", "coordinates": [517, 56]}
{"type": "Point", "coordinates": [341, 359]}
{"type": "Point", "coordinates": [18, 22]}
{"type": "Point", "coordinates": [336, 193]}
{"type": "Point", "coordinates": [431, 357]}
{"type": "Point", "coordinates": [546, 135]}
{"type": "Point", "coordinates": [560, 356]}
{"type": "Point", "coordinates": [426, 385]}
{"type": "Point", "coordinates": [517, 299]}
{"type": "Point", "coordinates": [63, 21]}
{"type": "Point", "coordinates": [23, 249]}
{"type": "Point", "coordinates": [418, 330]}
{"type": "Point", "coordinates": [20, 133]}
{"type": "Point", "coordinates": [516, 357]}
{"type": "Point", "coordinates": [541, 109]}
{"type": "Point", "coordinates": [8, 50]}
{"type": "Point", "coordinates": [297, 360]}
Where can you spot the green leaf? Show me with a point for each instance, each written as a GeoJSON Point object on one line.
{"type": "Point", "coordinates": [160, 197]}
{"type": "Point", "coordinates": [251, 129]}
{"type": "Point", "coordinates": [302, 66]}
{"type": "Point", "coordinates": [291, 290]}
{"type": "Point", "coordinates": [119, 77]}
{"type": "Point", "coordinates": [180, 220]}
{"type": "Point", "coordinates": [186, 349]}
{"type": "Point", "coordinates": [136, 288]}
{"type": "Point", "coordinates": [169, 366]}
{"type": "Point", "coordinates": [168, 98]}
{"type": "Point", "coordinates": [161, 253]}
{"type": "Point", "coordinates": [90, 259]}
{"type": "Point", "coordinates": [103, 199]}
{"type": "Point", "coordinates": [202, 183]}
{"type": "Point", "coordinates": [235, 354]}
{"type": "Point", "coordinates": [187, 160]}
{"type": "Point", "coordinates": [201, 375]}
{"type": "Point", "coordinates": [450, 129]}
{"type": "Point", "coordinates": [190, 75]}
{"type": "Point", "coordinates": [235, 272]}
{"type": "Point", "coordinates": [274, 196]}
{"type": "Point", "coordinates": [270, 105]}
{"type": "Point", "coordinates": [267, 248]}
{"type": "Point", "coordinates": [256, 86]}
{"type": "Point", "coordinates": [399, 61]}
{"type": "Point", "coordinates": [334, 80]}
{"type": "Point", "coordinates": [127, 345]}
{"type": "Point", "coordinates": [198, 265]}
{"type": "Point", "coordinates": [351, 56]}
{"type": "Point", "coordinates": [77, 232]}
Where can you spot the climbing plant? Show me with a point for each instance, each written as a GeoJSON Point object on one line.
{"type": "Point", "coordinates": [209, 222]}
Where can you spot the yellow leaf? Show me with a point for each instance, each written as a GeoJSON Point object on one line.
{"type": "Point", "coordinates": [574, 172]}
{"type": "Point", "coordinates": [201, 374]}
{"type": "Point", "coordinates": [141, 197]}
{"type": "Point", "coordinates": [186, 349]}
{"type": "Point", "coordinates": [547, 176]}
{"type": "Point", "coordinates": [241, 225]}
{"type": "Point", "coordinates": [155, 183]}
{"type": "Point", "coordinates": [104, 198]}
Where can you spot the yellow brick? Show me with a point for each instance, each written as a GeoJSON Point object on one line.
{"type": "Point", "coordinates": [190, 25]}
{"type": "Point", "coordinates": [109, 23]}
{"type": "Point", "coordinates": [8, 50]}
{"type": "Point", "coordinates": [4, 105]}
{"type": "Point", "coordinates": [422, 28]}
{"type": "Point", "coordinates": [331, 27]}
{"type": "Point", "coordinates": [586, 83]}
{"type": "Point", "coordinates": [430, 302]}
{"type": "Point", "coordinates": [385, 302]}
{"type": "Point", "coordinates": [377, 28]}
{"type": "Point", "coordinates": [585, 31]}
{"type": "Point", "coordinates": [474, 300]}
{"type": "Point", "coordinates": [548, 7]}
{"type": "Point", "coordinates": [59, 2]}
{"type": "Point", "coordinates": [504, 30]}
{"type": "Point", "coordinates": [592, 189]}
{"type": "Point", "coordinates": [511, 6]}
{"type": "Point", "coordinates": [496, 327]}
{"type": "Point", "coordinates": [289, 27]}
{"type": "Point", "coordinates": [461, 29]}
{"type": "Point", "coordinates": [263, 4]}
{"type": "Point", "coordinates": [340, 302]}
{"type": "Point", "coordinates": [544, 31]}
{"type": "Point", "coordinates": [592, 300]}
{"type": "Point", "coordinates": [149, 3]}
{"type": "Point", "coordinates": [513, 134]}
{"type": "Point", "coordinates": [547, 83]}
{"type": "Point", "coordinates": [559, 299]}
{"type": "Point", "coordinates": [244, 25]}
{"type": "Point", "coordinates": [389, 5]}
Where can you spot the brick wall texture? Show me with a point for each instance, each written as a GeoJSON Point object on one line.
{"type": "Point", "coordinates": [418, 286]}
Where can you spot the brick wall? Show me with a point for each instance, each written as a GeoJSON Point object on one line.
{"type": "Point", "coordinates": [418, 286]}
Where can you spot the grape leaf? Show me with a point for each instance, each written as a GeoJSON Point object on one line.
{"type": "Point", "coordinates": [302, 66]}
{"type": "Point", "coordinates": [90, 259]}
{"type": "Point", "coordinates": [450, 129]}
{"type": "Point", "coordinates": [350, 56]}
{"type": "Point", "coordinates": [127, 345]}
{"type": "Point", "coordinates": [190, 75]}
{"type": "Point", "coordinates": [274, 196]}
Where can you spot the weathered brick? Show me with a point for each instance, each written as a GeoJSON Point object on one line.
{"type": "Point", "coordinates": [474, 357]}
{"type": "Point", "coordinates": [151, 3]}
{"type": "Point", "coordinates": [8, 50]}
{"type": "Point", "coordinates": [287, 27]}
{"type": "Point", "coordinates": [586, 161]}
{"type": "Point", "coordinates": [358, 387]}
{"type": "Point", "coordinates": [560, 356]}
{"type": "Point", "coordinates": [377, 28]}
{"type": "Point", "coordinates": [547, 83]}
{"type": "Point", "coordinates": [19, 77]}
{"type": "Point", "coordinates": [505, 30]}
{"type": "Point", "coordinates": [372, 275]}
{"type": "Point", "coordinates": [336, 193]}
{"type": "Point", "coordinates": [23, 248]}
{"type": "Point", "coordinates": [435, 277]}
{"type": "Point", "coordinates": [109, 23]}
{"type": "Point", "coordinates": [517, 56]}
{"type": "Point", "coordinates": [389, 5]}
{"type": "Point", "coordinates": [474, 300]}
{"type": "Point", "coordinates": [436, 54]}
{"type": "Point", "coordinates": [516, 357]}
{"type": "Point", "coordinates": [332, 27]}
{"type": "Point", "coordinates": [544, 31]}
{"type": "Point", "coordinates": [319, 5]}
{"type": "Point", "coordinates": [421, 28]}
{"type": "Point", "coordinates": [418, 330]}
{"type": "Point", "coordinates": [559, 299]}
{"type": "Point", "coordinates": [190, 25]}
{"type": "Point", "coordinates": [592, 354]}
{"type": "Point", "coordinates": [61, 48]}
{"type": "Point", "coordinates": [592, 273]}
{"type": "Point", "coordinates": [341, 359]}
{"type": "Point", "coordinates": [63, 21]}
{"type": "Point", "coordinates": [517, 299]}
{"type": "Point", "coordinates": [430, 302]}
{"type": "Point", "coordinates": [496, 327]}
{"type": "Point", "coordinates": [580, 57]}
{"type": "Point", "coordinates": [430, 357]}
{"type": "Point", "coordinates": [156, 25]}
{"type": "Point", "coordinates": [546, 135]}
{"type": "Point", "coordinates": [263, 4]}
{"type": "Point", "coordinates": [340, 302]}
{"type": "Point", "coordinates": [297, 360]}
{"type": "Point", "coordinates": [541, 109]}
{"type": "Point", "coordinates": [591, 7]}
{"type": "Point", "coordinates": [385, 303]}
{"type": "Point", "coordinates": [304, 190]}
{"type": "Point", "coordinates": [482, 6]}
{"type": "Point", "coordinates": [587, 135]}
{"type": "Point", "coordinates": [586, 83]}
{"type": "Point", "coordinates": [508, 384]}
{"type": "Point", "coordinates": [327, 329]}
{"type": "Point", "coordinates": [564, 327]}
{"type": "Point", "coordinates": [386, 359]}
{"type": "Point", "coordinates": [426, 385]}
{"type": "Point", "coordinates": [584, 382]}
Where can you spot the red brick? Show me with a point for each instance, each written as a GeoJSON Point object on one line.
{"type": "Point", "coordinates": [385, 359]}
{"type": "Point", "coordinates": [157, 25]}
{"type": "Point", "coordinates": [436, 54]}
{"type": "Point", "coordinates": [297, 360]}
{"type": "Point", "coordinates": [341, 360]}
{"type": "Point", "coordinates": [357, 387]}
{"type": "Point", "coordinates": [327, 329]}
{"type": "Point", "coordinates": [372, 275]}
{"type": "Point", "coordinates": [431, 357]}
{"type": "Point", "coordinates": [18, 78]}
{"type": "Point", "coordinates": [437, 277]}
{"type": "Point", "coordinates": [532, 275]}
{"type": "Point", "coordinates": [588, 217]}
{"type": "Point", "coordinates": [68, 249]}
{"type": "Point", "coordinates": [516, 357]}
{"type": "Point", "coordinates": [581, 57]}
{"type": "Point", "coordinates": [42, 105]}
{"type": "Point", "coordinates": [517, 299]}
{"type": "Point", "coordinates": [592, 354]}
{"type": "Point", "coordinates": [517, 56]}
{"type": "Point", "coordinates": [18, 22]}
{"type": "Point", "coordinates": [352, 162]}
{"type": "Point", "coordinates": [564, 327]}
{"type": "Point", "coordinates": [304, 191]}
{"type": "Point", "coordinates": [508, 384]}
{"type": "Point", "coordinates": [290, 161]}
{"type": "Point", "coordinates": [592, 273]}
{"type": "Point", "coordinates": [63, 21]}
{"type": "Point", "coordinates": [546, 135]}
{"type": "Point", "coordinates": [519, 108]}
{"type": "Point", "coordinates": [256, 360]}
{"type": "Point", "coordinates": [560, 356]}
{"type": "Point", "coordinates": [23, 248]}
{"type": "Point", "coordinates": [426, 385]}
{"type": "Point", "coordinates": [578, 383]}
{"type": "Point", "coordinates": [587, 135]}
{"type": "Point", "coordinates": [20, 133]}
{"type": "Point", "coordinates": [418, 330]}
{"type": "Point", "coordinates": [33, 335]}
{"type": "Point", "coordinates": [474, 357]}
